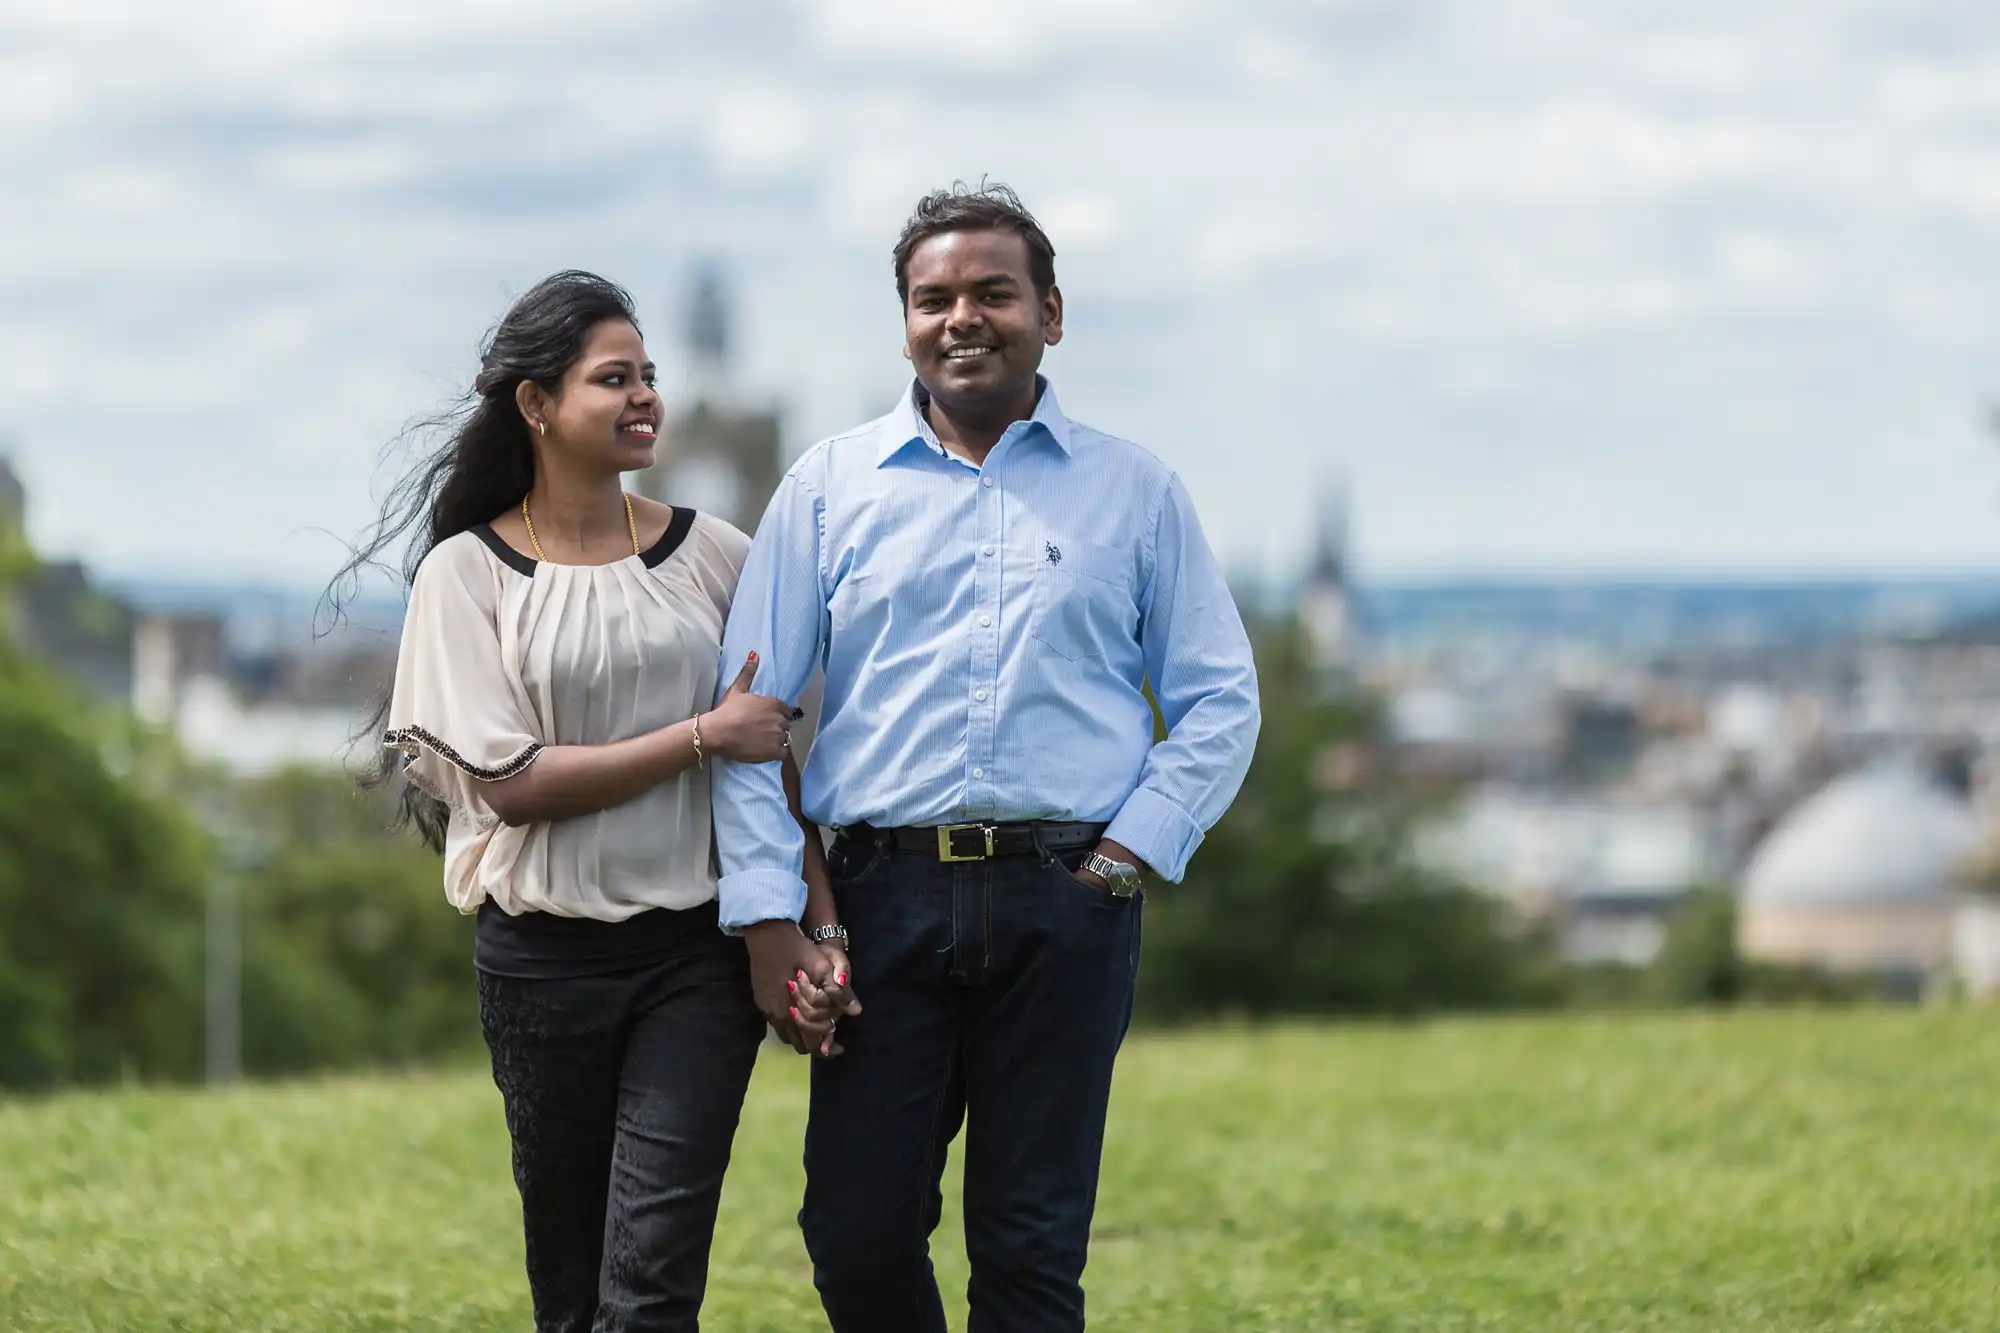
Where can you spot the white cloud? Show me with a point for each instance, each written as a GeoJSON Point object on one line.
{"type": "Point", "coordinates": [1250, 237]}
{"type": "Point", "coordinates": [342, 168]}
{"type": "Point", "coordinates": [870, 193]}
{"type": "Point", "coordinates": [761, 130]}
{"type": "Point", "coordinates": [1546, 279]}
{"type": "Point", "coordinates": [1767, 263]}
{"type": "Point", "coordinates": [1922, 95]}
{"type": "Point", "coordinates": [1706, 64]}
{"type": "Point", "coordinates": [1267, 57]}
{"type": "Point", "coordinates": [1085, 220]}
{"type": "Point", "coordinates": [921, 33]}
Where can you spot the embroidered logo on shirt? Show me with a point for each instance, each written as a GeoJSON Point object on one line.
{"type": "Point", "coordinates": [1054, 552]}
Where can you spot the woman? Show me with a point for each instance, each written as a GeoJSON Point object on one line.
{"type": "Point", "coordinates": [551, 720]}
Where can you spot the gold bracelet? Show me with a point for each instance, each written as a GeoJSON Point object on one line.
{"type": "Point", "coordinates": [697, 740]}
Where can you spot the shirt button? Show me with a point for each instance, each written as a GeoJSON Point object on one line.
{"type": "Point", "coordinates": [979, 695]}
{"type": "Point", "coordinates": [986, 481]}
{"type": "Point", "coordinates": [978, 772]}
{"type": "Point", "coordinates": [986, 550]}
{"type": "Point", "coordinates": [985, 621]}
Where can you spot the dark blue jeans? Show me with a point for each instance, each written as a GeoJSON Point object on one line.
{"type": "Point", "coordinates": [995, 994]}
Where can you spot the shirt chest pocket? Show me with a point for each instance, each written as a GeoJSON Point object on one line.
{"type": "Point", "coordinates": [1083, 603]}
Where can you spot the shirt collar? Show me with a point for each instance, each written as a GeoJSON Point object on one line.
{"type": "Point", "coordinates": [907, 425]}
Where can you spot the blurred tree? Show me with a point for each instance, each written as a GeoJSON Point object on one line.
{"type": "Point", "coordinates": [100, 898]}
{"type": "Point", "coordinates": [1304, 898]}
{"type": "Point", "coordinates": [1698, 963]}
{"type": "Point", "coordinates": [351, 954]}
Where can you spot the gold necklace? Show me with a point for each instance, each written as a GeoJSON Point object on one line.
{"type": "Point", "coordinates": [631, 525]}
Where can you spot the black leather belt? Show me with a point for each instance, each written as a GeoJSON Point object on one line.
{"type": "Point", "coordinates": [982, 842]}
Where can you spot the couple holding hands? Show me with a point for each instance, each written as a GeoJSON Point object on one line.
{"type": "Point", "coordinates": [591, 718]}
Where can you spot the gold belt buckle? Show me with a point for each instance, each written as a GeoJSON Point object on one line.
{"type": "Point", "coordinates": [945, 832]}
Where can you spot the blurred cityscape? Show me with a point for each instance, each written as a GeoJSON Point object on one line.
{"type": "Point", "coordinates": [1596, 409]}
{"type": "Point", "coordinates": [1591, 754]}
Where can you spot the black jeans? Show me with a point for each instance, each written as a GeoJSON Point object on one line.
{"type": "Point", "coordinates": [996, 993]}
{"type": "Point", "coordinates": [622, 1093]}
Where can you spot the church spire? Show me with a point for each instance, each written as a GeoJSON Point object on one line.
{"type": "Point", "coordinates": [707, 334]}
{"type": "Point", "coordinates": [1329, 558]}
{"type": "Point", "coordinates": [1325, 606]}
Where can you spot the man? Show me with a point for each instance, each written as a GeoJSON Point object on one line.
{"type": "Point", "coordinates": [989, 586]}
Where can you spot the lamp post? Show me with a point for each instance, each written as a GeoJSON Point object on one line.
{"type": "Point", "coordinates": [242, 847]}
{"type": "Point", "coordinates": [223, 957]}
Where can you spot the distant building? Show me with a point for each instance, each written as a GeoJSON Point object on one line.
{"type": "Point", "coordinates": [1863, 877]}
{"type": "Point", "coordinates": [1975, 945]}
{"type": "Point", "coordinates": [77, 629]}
{"type": "Point", "coordinates": [216, 725]}
{"type": "Point", "coordinates": [1326, 610]}
{"type": "Point", "coordinates": [1602, 737]}
{"type": "Point", "coordinates": [58, 616]}
{"type": "Point", "coordinates": [170, 654]}
{"type": "Point", "coordinates": [1939, 688]}
{"type": "Point", "coordinates": [254, 715]}
{"type": "Point", "coordinates": [717, 460]}
{"type": "Point", "coordinates": [1757, 731]}
{"type": "Point", "coordinates": [1444, 732]}
{"type": "Point", "coordinates": [1606, 875]}
{"type": "Point", "coordinates": [715, 454]}
{"type": "Point", "coordinates": [249, 713]}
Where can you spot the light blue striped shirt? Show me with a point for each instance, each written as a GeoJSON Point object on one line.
{"type": "Point", "coordinates": [985, 632]}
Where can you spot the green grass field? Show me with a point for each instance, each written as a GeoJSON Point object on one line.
{"type": "Point", "coordinates": [1741, 1173]}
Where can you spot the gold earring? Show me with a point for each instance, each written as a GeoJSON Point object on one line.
{"type": "Point", "coordinates": [543, 427]}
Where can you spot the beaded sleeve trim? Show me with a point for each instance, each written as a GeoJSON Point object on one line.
{"type": "Point", "coordinates": [408, 739]}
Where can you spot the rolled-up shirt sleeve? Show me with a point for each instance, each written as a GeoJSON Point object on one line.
{"type": "Point", "coordinates": [1205, 679]}
{"type": "Point", "coordinates": [779, 614]}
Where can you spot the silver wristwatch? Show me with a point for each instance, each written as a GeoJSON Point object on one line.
{"type": "Point", "coordinates": [821, 934]}
{"type": "Point", "coordinates": [1122, 876]}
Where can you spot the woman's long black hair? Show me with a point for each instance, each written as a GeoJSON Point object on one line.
{"type": "Point", "coordinates": [482, 470]}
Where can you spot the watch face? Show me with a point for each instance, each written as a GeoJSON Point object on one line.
{"type": "Point", "coordinates": [1123, 878]}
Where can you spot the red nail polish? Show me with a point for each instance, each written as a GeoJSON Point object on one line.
{"type": "Point", "coordinates": [795, 1013]}
{"type": "Point", "coordinates": [842, 978]}
{"type": "Point", "coordinates": [792, 986]}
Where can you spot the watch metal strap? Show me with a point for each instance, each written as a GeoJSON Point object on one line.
{"type": "Point", "coordinates": [1122, 876]}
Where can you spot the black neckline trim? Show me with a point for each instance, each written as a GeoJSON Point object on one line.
{"type": "Point", "coordinates": [670, 541]}
{"type": "Point", "coordinates": [513, 559]}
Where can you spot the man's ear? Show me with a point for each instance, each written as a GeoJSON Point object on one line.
{"type": "Point", "coordinates": [1052, 312]}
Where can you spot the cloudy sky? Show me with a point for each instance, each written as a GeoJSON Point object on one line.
{"type": "Point", "coordinates": [1555, 287]}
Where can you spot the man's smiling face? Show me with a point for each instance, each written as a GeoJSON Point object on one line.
{"type": "Point", "coordinates": [974, 325]}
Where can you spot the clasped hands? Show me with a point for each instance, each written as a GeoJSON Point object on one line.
{"type": "Point", "coordinates": [802, 989]}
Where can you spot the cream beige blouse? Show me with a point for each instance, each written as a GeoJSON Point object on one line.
{"type": "Point", "coordinates": [502, 654]}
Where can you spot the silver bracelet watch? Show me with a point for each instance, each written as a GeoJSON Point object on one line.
{"type": "Point", "coordinates": [821, 934]}
{"type": "Point", "coordinates": [1123, 877]}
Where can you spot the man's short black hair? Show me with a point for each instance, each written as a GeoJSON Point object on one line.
{"type": "Point", "coordinates": [982, 207]}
